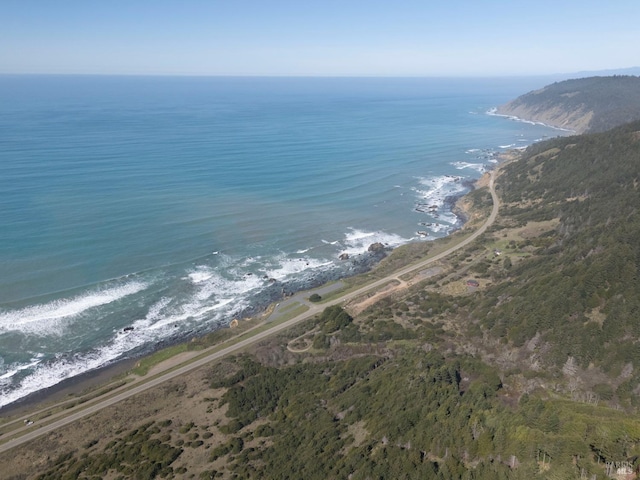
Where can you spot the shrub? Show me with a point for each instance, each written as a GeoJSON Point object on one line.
{"type": "Point", "coordinates": [265, 430]}
{"type": "Point", "coordinates": [315, 298]}
{"type": "Point", "coordinates": [334, 318]}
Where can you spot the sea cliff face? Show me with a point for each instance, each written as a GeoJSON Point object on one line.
{"type": "Point", "coordinates": [577, 119]}
{"type": "Point", "coordinates": [592, 104]}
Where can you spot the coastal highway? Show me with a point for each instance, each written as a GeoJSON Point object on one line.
{"type": "Point", "coordinates": [84, 410]}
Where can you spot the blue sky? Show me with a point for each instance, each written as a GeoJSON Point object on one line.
{"type": "Point", "coordinates": [313, 37]}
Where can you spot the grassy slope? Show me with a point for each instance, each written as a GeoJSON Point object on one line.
{"type": "Point", "coordinates": [593, 104]}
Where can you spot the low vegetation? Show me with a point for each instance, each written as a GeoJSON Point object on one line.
{"type": "Point", "coordinates": [593, 104]}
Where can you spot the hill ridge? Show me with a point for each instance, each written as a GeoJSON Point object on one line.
{"type": "Point", "coordinates": [584, 105]}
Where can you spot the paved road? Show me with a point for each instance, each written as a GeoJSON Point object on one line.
{"type": "Point", "coordinates": [313, 310]}
{"type": "Point", "coordinates": [300, 298]}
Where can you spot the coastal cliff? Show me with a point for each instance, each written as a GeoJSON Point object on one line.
{"type": "Point", "coordinates": [592, 104]}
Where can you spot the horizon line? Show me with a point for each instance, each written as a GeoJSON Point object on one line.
{"type": "Point", "coordinates": [327, 76]}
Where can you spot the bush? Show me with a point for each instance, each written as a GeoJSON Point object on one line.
{"type": "Point", "coordinates": [604, 391]}
{"type": "Point", "coordinates": [321, 342]}
{"type": "Point", "coordinates": [232, 427]}
{"type": "Point", "coordinates": [315, 298]}
{"type": "Point", "coordinates": [187, 427]}
{"type": "Point", "coordinates": [334, 318]}
{"type": "Point", "coordinates": [265, 430]}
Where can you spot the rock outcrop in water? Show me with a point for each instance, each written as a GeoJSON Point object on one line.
{"type": "Point", "coordinates": [376, 247]}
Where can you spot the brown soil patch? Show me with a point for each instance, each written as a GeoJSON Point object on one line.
{"type": "Point", "coordinates": [535, 229]}
{"type": "Point", "coordinates": [530, 230]}
{"type": "Point", "coordinates": [359, 433]}
{"type": "Point", "coordinates": [172, 362]}
{"type": "Point", "coordinates": [483, 181]}
{"type": "Point", "coordinates": [357, 306]}
{"type": "Point", "coordinates": [596, 316]}
{"type": "Point", "coordinates": [460, 287]}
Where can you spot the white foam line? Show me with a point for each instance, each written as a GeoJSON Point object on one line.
{"type": "Point", "coordinates": [285, 267]}
{"type": "Point", "coordinates": [479, 167]}
{"type": "Point", "coordinates": [358, 241]}
{"type": "Point", "coordinates": [45, 319]}
{"type": "Point", "coordinates": [157, 325]}
{"type": "Point", "coordinates": [494, 113]}
{"type": "Point", "coordinates": [11, 373]}
{"type": "Point", "coordinates": [439, 188]}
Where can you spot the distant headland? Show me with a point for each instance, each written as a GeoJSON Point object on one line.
{"type": "Point", "coordinates": [592, 104]}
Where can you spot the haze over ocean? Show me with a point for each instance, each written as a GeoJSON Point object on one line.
{"type": "Point", "coordinates": [169, 204]}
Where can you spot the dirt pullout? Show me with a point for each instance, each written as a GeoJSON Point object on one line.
{"type": "Point", "coordinates": [360, 304]}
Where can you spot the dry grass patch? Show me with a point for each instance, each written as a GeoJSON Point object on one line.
{"type": "Point", "coordinates": [184, 401]}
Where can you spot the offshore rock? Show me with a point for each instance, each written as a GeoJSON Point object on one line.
{"type": "Point", "coordinates": [376, 247]}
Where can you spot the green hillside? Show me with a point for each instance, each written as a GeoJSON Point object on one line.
{"type": "Point", "coordinates": [530, 372]}
{"type": "Point", "coordinates": [592, 104]}
{"type": "Point", "coordinates": [579, 292]}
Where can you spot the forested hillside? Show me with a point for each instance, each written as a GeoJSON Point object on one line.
{"type": "Point", "coordinates": [592, 104]}
{"type": "Point", "coordinates": [579, 293]}
{"type": "Point", "coordinates": [530, 371]}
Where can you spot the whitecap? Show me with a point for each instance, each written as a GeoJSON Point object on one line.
{"type": "Point", "coordinates": [218, 286]}
{"type": "Point", "coordinates": [160, 323]}
{"type": "Point", "coordinates": [284, 267]}
{"type": "Point", "coordinates": [51, 373]}
{"type": "Point", "coordinates": [478, 167]}
{"type": "Point", "coordinates": [432, 195]}
{"type": "Point", "coordinates": [50, 318]}
{"type": "Point", "coordinates": [13, 369]}
{"type": "Point", "coordinates": [433, 191]}
{"type": "Point", "coordinates": [54, 371]}
{"type": "Point", "coordinates": [200, 275]}
{"type": "Point", "coordinates": [358, 241]}
{"type": "Point", "coordinates": [440, 227]}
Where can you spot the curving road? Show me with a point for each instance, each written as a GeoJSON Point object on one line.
{"type": "Point", "coordinates": [84, 411]}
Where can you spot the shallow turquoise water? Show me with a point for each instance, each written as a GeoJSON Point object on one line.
{"type": "Point", "coordinates": [168, 204]}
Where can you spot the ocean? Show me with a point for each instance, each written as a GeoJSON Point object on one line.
{"type": "Point", "coordinates": [175, 204]}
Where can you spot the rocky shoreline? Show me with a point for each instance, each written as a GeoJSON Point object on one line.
{"type": "Point", "coordinates": [277, 291]}
{"type": "Point", "coordinates": [346, 267]}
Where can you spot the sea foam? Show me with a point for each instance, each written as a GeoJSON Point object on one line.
{"type": "Point", "coordinates": [50, 318]}
{"type": "Point", "coordinates": [478, 167]}
{"type": "Point", "coordinates": [357, 241]}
